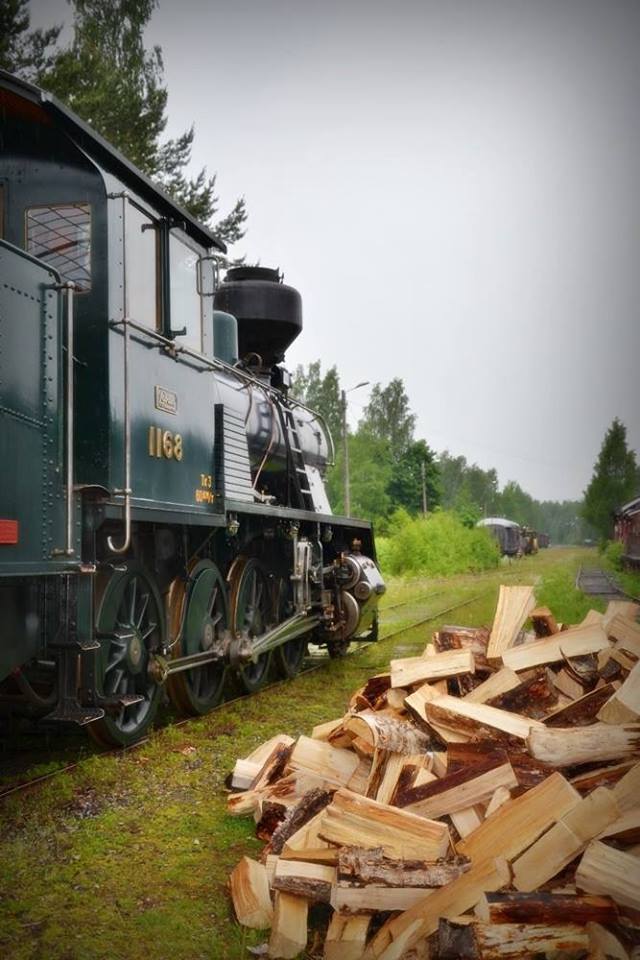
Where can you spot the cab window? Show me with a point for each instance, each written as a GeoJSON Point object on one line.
{"type": "Point", "coordinates": [60, 235]}
{"type": "Point", "coordinates": [185, 300]}
{"type": "Point", "coordinates": [142, 268]}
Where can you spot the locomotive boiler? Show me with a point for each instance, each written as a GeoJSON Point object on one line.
{"type": "Point", "coordinates": [163, 517]}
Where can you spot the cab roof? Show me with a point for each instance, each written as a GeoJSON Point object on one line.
{"type": "Point", "coordinates": [110, 158]}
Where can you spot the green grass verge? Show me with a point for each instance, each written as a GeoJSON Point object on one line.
{"type": "Point", "coordinates": [127, 856]}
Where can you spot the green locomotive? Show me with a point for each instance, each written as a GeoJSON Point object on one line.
{"type": "Point", "coordinates": [163, 518]}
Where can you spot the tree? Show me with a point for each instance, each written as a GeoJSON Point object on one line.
{"type": "Point", "coordinates": [387, 417]}
{"type": "Point", "coordinates": [112, 81]}
{"type": "Point", "coordinates": [468, 489]}
{"type": "Point", "coordinates": [27, 53]}
{"type": "Point", "coordinates": [321, 393]}
{"type": "Point", "coordinates": [405, 485]}
{"type": "Point", "coordinates": [370, 470]}
{"type": "Point", "coordinates": [614, 480]}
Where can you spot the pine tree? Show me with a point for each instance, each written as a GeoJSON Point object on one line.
{"type": "Point", "coordinates": [27, 53]}
{"type": "Point", "coordinates": [614, 480]}
{"type": "Point", "coordinates": [111, 80]}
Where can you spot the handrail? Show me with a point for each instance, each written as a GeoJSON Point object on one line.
{"type": "Point", "coordinates": [217, 364]}
{"type": "Point", "coordinates": [69, 550]}
{"type": "Point", "coordinates": [125, 491]}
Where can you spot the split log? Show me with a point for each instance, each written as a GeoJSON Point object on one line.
{"type": "Point", "coordinates": [542, 907]}
{"type": "Point", "coordinates": [626, 829]}
{"type": "Point", "coordinates": [582, 711]}
{"type": "Point", "coordinates": [354, 899]}
{"type": "Point", "coordinates": [497, 683]}
{"type": "Point", "coordinates": [395, 698]}
{"type": "Point", "coordinates": [388, 733]}
{"type": "Point", "coordinates": [289, 930]}
{"type": "Point", "coordinates": [358, 821]}
{"type": "Point", "coordinates": [359, 780]}
{"type": "Point", "coordinates": [333, 765]}
{"type": "Point", "coordinates": [250, 894]}
{"type": "Point", "coordinates": [533, 697]}
{"type": "Point", "coordinates": [371, 866]}
{"type": "Point", "coordinates": [392, 770]}
{"type": "Point", "coordinates": [605, 945]}
{"type": "Point", "coordinates": [626, 609]}
{"type": "Point", "coordinates": [313, 881]}
{"type": "Point", "coordinates": [270, 816]}
{"type": "Point", "coordinates": [624, 705]}
{"type": "Point", "coordinates": [501, 795]}
{"type": "Point", "coordinates": [311, 804]}
{"type": "Point", "coordinates": [509, 941]}
{"type": "Point", "coordinates": [458, 790]}
{"type": "Point", "coordinates": [566, 746]}
{"type": "Point", "coordinates": [610, 872]}
{"type": "Point", "coordinates": [324, 731]}
{"type": "Point", "coordinates": [398, 934]}
{"type": "Point", "coordinates": [411, 670]}
{"type": "Point", "coordinates": [367, 696]}
{"type": "Point", "coordinates": [467, 820]}
{"type": "Point", "coordinates": [478, 719]}
{"type": "Point", "coordinates": [520, 821]}
{"type": "Point", "coordinates": [608, 776]}
{"type": "Point", "coordinates": [565, 840]}
{"type": "Point", "coordinates": [514, 606]}
{"type": "Point", "coordinates": [274, 764]}
{"type": "Point", "coordinates": [561, 646]}
{"type": "Point", "coordinates": [565, 682]}
{"type": "Point", "coordinates": [528, 771]}
{"type": "Point", "coordinates": [305, 843]}
{"type": "Point", "coordinates": [627, 790]}
{"type": "Point", "coordinates": [415, 703]}
{"type": "Point", "coordinates": [244, 773]}
{"type": "Point", "coordinates": [346, 937]}
{"type": "Point", "coordinates": [544, 622]}
{"type": "Point", "coordinates": [453, 637]}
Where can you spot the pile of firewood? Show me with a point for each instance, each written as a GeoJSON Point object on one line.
{"type": "Point", "coordinates": [481, 800]}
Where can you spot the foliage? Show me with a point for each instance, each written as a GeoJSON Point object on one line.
{"type": "Point", "coordinates": [387, 417]}
{"type": "Point", "coordinates": [558, 591]}
{"type": "Point", "coordinates": [438, 545]}
{"type": "Point", "coordinates": [27, 53]}
{"type": "Point", "coordinates": [111, 80]}
{"type": "Point", "coordinates": [467, 488]}
{"type": "Point", "coordinates": [370, 472]}
{"type": "Point", "coordinates": [321, 393]}
{"type": "Point", "coordinates": [405, 486]}
{"type": "Point", "coordinates": [613, 553]}
{"type": "Point", "coordinates": [614, 480]}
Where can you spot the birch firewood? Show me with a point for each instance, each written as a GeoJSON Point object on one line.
{"type": "Point", "coordinates": [514, 606]}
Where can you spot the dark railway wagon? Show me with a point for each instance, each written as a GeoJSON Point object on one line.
{"type": "Point", "coordinates": [507, 534]}
{"type": "Point", "coordinates": [163, 517]}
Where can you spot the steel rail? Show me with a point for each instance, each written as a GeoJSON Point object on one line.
{"type": "Point", "coordinates": [27, 784]}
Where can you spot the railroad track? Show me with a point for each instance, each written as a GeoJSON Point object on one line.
{"type": "Point", "coordinates": [596, 582]}
{"type": "Point", "coordinates": [320, 662]}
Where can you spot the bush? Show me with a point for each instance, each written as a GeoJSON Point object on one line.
{"type": "Point", "coordinates": [613, 553]}
{"type": "Point", "coordinates": [438, 545]}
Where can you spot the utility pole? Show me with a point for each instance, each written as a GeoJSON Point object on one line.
{"type": "Point", "coordinates": [424, 487]}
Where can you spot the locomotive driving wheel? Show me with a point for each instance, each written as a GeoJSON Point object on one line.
{"type": "Point", "coordinates": [289, 656]}
{"type": "Point", "coordinates": [252, 612]}
{"type": "Point", "coordinates": [198, 615]}
{"type": "Point", "coordinates": [130, 626]}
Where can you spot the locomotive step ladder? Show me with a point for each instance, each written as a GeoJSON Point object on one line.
{"type": "Point", "coordinates": [299, 473]}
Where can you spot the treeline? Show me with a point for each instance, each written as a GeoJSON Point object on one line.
{"type": "Point", "coordinates": [387, 460]}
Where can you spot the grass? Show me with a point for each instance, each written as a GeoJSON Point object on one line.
{"type": "Point", "coordinates": [128, 855]}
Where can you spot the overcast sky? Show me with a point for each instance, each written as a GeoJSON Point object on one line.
{"type": "Point", "coordinates": [453, 186]}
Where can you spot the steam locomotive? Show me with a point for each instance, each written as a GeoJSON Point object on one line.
{"type": "Point", "coordinates": [163, 517]}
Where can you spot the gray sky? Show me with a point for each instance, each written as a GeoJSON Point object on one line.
{"type": "Point", "coordinates": [453, 187]}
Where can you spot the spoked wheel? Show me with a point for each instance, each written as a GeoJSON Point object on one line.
{"type": "Point", "coordinates": [130, 627]}
{"type": "Point", "coordinates": [198, 615]}
{"type": "Point", "coordinates": [289, 657]}
{"type": "Point", "coordinates": [252, 612]}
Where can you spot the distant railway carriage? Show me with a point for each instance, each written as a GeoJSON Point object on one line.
{"type": "Point", "coordinates": [627, 531]}
{"type": "Point", "coordinates": [163, 516]}
{"type": "Point", "coordinates": [543, 540]}
{"type": "Point", "coordinates": [506, 532]}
